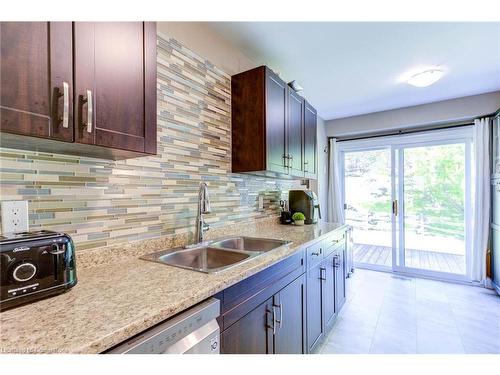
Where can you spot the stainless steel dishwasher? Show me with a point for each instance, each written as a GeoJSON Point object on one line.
{"type": "Point", "coordinates": [194, 331]}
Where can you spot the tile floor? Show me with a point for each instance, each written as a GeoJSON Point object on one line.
{"type": "Point", "coordinates": [386, 313]}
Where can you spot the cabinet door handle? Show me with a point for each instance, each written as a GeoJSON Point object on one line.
{"type": "Point", "coordinates": [321, 270]}
{"type": "Point", "coordinates": [65, 117]}
{"type": "Point", "coordinates": [90, 111]}
{"type": "Point", "coordinates": [274, 322]}
{"type": "Point", "coordinates": [335, 261]}
{"type": "Point", "coordinates": [281, 314]}
{"type": "Point", "coordinates": [280, 306]}
{"type": "Point", "coordinates": [88, 100]}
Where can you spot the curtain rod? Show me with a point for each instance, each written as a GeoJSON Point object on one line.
{"type": "Point", "coordinates": [415, 129]}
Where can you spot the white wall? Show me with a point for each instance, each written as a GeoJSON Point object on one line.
{"type": "Point", "coordinates": [432, 113]}
{"type": "Point", "coordinates": [209, 44]}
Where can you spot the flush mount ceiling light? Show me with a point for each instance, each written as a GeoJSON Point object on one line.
{"type": "Point", "coordinates": [425, 78]}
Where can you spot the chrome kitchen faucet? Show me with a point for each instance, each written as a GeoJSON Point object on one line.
{"type": "Point", "coordinates": [203, 208]}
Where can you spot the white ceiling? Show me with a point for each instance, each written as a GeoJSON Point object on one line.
{"type": "Point", "coordinates": [354, 68]}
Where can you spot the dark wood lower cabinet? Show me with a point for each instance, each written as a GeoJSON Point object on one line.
{"type": "Point", "coordinates": [289, 318]}
{"type": "Point", "coordinates": [340, 295]}
{"type": "Point", "coordinates": [252, 334]}
{"type": "Point", "coordinates": [314, 306]}
{"type": "Point", "coordinates": [284, 309]}
{"type": "Point", "coordinates": [276, 326]}
{"type": "Point", "coordinates": [325, 292]}
{"type": "Point", "coordinates": [329, 310]}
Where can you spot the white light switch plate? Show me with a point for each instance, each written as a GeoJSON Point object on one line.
{"type": "Point", "coordinates": [14, 216]}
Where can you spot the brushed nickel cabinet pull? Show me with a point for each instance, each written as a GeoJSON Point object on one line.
{"type": "Point", "coordinates": [89, 111]}
{"type": "Point", "coordinates": [281, 314]}
{"type": "Point", "coordinates": [274, 320]}
{"type": "Point", "coordinates": [65, 117]}
{"type": "Point", "coordinates": [274, 323]}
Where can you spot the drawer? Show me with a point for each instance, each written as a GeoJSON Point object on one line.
{"type": "Point", "coordinates": [335, 241]}
{"type": "Point", "coordinates": [314, 253]}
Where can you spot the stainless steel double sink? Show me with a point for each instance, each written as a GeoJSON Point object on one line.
{"type": "Point", "coordinates": [217, 255]}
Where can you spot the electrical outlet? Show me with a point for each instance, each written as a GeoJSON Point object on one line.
{"type": "Point", "coordinates": [14, 216]}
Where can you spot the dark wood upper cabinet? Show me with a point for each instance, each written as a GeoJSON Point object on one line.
{"type": "Point", "coordinates": [36, 79]}
{"type": "Point", "coordinates": [268, 120]}
{"type": "Point", "coordinates": [276, 123]}
{"type": "Point", "coordinates": [115, 74]}
{"type": "Point", "coordinates": [310, 142]}
{"type": "Point", "coordinates": [92, 84]}
{"type": "Point", "coordinates": [295, 132]}
{"type": "Point", "coordinates": [258, 117]}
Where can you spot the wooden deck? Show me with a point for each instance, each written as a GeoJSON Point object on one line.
{"type": "Point", "coordinates": [428, 260]}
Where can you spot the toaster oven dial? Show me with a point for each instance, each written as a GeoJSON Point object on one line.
{"type": "Point", "coordinates": [24, 272]}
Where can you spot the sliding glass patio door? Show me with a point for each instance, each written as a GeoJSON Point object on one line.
{"type": "Point", "coordinates": [407, 200]}
{"type": "Point", "coordinates": [434, 211]}
{"type": "Point", "coordinates": [368, 205]}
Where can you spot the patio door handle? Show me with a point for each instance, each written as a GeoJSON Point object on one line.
{"type": "Point", "coordinates": [395, 207]}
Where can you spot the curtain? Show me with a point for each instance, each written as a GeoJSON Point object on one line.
{"type": "Point", "coordinates": [481, 199]}
{"type": "Point", "coordinates": [334, 199]}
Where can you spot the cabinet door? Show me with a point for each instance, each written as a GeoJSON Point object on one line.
{"type": "Point", "coordinates": [295, 132]}
{"type": "Point", "coordinates": [36, 79]}
{"type": "Point", "coordinates": [276, 91]}
{"type": "Point", "coordinates": [328, 275]}
{"type": "Point", "coordinates": [115, 83]}
{"type": "Point", "coordinates": [314, 306]}
{"type": "Point", "coordinates": [289, 309]}
{"type": "Point", "coordinates": [310, 153]}
{"type": "Point", "coordinates": [252, 334]}
{"type": "Point", "coordinates": [340, 297]}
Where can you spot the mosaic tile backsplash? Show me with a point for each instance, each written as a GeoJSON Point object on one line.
{"type": "Point", "coordinates": [102, 202]}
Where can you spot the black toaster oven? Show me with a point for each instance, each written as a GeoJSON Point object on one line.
{"type": "Point", "coordinates": [35, 265]}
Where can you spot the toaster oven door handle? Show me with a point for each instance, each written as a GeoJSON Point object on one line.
{"type": "Point", "coordinates": [319, 211]}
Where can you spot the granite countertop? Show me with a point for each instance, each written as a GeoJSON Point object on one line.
{"type": "Point", "coordinates": [118, 299]}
